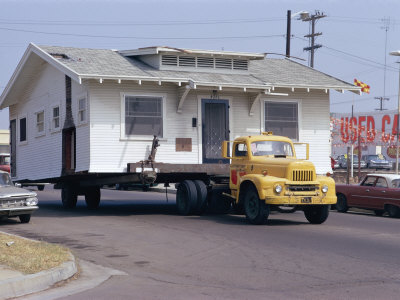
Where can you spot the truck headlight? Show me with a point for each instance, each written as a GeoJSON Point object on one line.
{"type": "Point", "coordinates": [278, 188]}
{"type": "Point", "coordinates": [31, 201]}
{"type": "Point", "coordinates": [324, 188]}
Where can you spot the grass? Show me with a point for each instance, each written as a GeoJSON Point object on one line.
{"type": "Point", "coordinates": [29, 256]}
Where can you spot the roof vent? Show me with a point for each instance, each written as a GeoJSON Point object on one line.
{"type": "Point", "coordinates": [240, 64]}
{"type": "Point", "coordinates": [59, 55]}
{"type": "Point", "coordinates": [187, 61]}
{"type": "Point", "coordinates": [223, 63]}
{"type": "Point", "coordinates": [205, 62]}
{"type": "Point", "coordinates": [169, 60]}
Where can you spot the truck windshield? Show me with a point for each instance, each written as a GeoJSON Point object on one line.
{"type": "Point", "coordinates": [5, 179]}
{"type": "Point", "coordinates": [265, 148]}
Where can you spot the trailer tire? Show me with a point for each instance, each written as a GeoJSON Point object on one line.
{"type": "Point", "coordinates": [256, 211]}
{"type": "Point", "coordinates": [316, 214]}
{"type": "Point", "coordinates": [218, 203]}
{"type": "Point", "coordinates": [40, 187]}
{"type": "Point", "coordinates": [186, 197]}
{"type": "Point", "coordinates": [202, 192]}
{"type": "Point", "coordinates": [69, 197]}
{"type": "Point", "coordinates": [92, 198]}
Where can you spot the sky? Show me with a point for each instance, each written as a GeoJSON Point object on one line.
{"type": "Point", "coordinates": [356, 39]}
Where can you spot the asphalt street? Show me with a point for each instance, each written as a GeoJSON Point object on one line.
{"type": "Point", "coordinates": [167, 256]}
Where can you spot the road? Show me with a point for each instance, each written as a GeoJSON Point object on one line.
{"type": "Point", "coordinates": [167, 256]}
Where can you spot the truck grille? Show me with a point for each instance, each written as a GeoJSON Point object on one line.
{"type": "Point", "coordinates": [302, 188]}
{"type": "Point", "coordinates": [302, 175]}
{"type": "Point", "coordinates": [12, 202]}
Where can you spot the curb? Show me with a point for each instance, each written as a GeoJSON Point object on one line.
{"type": "Point", "coordinates": [32, 283]}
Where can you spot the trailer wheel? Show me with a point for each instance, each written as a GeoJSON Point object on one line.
{"type": "Point", "coordinates": [92, 198]}
{"type": "Point", "coordinates": [40, 187]}
{"type": "Point", "coordinates": [218, 203]}
{"type": "Point", "coordinates": [316, 214]}
{"type": "Point", "coordinates": [69, 197]}
{"type": "Point", "coordinates": [202, 192]}
{"type": "Point", "coordinates": [256, 211]}
{"type": "Point", "coordinates": [186, 197]}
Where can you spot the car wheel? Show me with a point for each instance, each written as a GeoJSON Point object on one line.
{"type": "Point", "coordinates": [341, 205]}
{"type": "Point", "coordinates": [316, 214]}
{"type": "Point", "coordinates": [256, 211]}
{"type": "Point", "coordinates": [24, 218]}
{"type": "Point", "coordinates": [393, 211]}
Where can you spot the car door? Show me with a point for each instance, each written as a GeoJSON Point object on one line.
{"type": "Point", "coordinates": [378, 194]}
{"type": "Point", "coordinates": [362, 193]}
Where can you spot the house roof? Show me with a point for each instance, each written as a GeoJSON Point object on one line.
{"type": "Point", "coordinates": [82, 63]}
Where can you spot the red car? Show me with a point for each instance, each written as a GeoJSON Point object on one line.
{"type": "Point", "coordinates": [5, 162]}
{"type": "Point", "coordinates": [377, 192]}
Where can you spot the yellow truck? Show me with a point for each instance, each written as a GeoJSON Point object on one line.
{"type": "Point", "coordinates": [265, 174]}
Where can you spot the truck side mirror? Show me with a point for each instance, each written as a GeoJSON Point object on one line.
{"type": "Point", "coordinates": [303, 149]}
{"type": "Point", "coordinates": [225, 147]}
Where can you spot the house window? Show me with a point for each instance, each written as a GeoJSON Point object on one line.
{"type": "Point", "coordinates": [143, 116]}
{"type": "Point", "coordinates": [40, 122]}
{"type": "Point", "coordinates": [56, 118]}
{"type": "Point", "coordinates": [282, 118]}
{"type": "Point", "coordinates": [22, 129]}
{"type": "Point", "coordinates": [82, 109]}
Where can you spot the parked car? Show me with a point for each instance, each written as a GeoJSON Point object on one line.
{"type": "Point", "coordinates": [342, 161]}
{"type": "Point", "coordinates": [16, 201]}
{"type": "Point", "coordinates": [5, 162]}
{"type": "Point", "coordinates": [377, 161]}
{"type": "Point", "coordinates": [377, 192]}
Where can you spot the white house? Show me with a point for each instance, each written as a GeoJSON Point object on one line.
{"type": "Point", "coordinates": [82, 111]}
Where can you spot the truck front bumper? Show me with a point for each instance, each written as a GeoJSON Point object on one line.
{"type": "Point", "coordinates": [300, 200]}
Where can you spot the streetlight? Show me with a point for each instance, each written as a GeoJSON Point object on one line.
{"type": "Point", "coordinates": [397, 53]}
{"type": "Point", "coordinates": [303, 15]}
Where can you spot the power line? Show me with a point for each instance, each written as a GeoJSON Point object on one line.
{"type": "Point", "coordinates": [357, 100]}
{"type": "Point", "coordinates": [142, 37]}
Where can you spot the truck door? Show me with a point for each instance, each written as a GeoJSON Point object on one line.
{"type": "Point", "coordinates": [238, 166]}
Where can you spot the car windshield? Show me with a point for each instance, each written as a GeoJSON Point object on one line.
{"type": "Point", "coordinates": [265, 148]}
{"type": "Point", "coordinates": [376, 157]}
{"type": "Point", "coordinates": [5, 179]}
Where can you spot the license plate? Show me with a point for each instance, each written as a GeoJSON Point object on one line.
{"type": "Point", "coordinates": [306, 200]}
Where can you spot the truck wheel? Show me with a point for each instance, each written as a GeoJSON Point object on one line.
{"type": "Point", "coordinates": [69, 197]}
{"type": "Point", "coordinates": [92, 198]}
{"type": "Point", "coordinates": [256, 211]}
{"type": "Point", "coordinates": [202, 192]}
{"type": "Point", "coordinates": [341, 205]}
{"type": "Point", "coordinates": [218, 203]}
{"type": "Point", "coordinates": [316, 214]}
{"type": "Point", "coordinates": [186, 197]}
{"type": "Point", "coordinates": [393, 211]}
{"type": "Point", "coordinates": [40, 187]}
{"type": "Point", "coordinates": [24, 218]}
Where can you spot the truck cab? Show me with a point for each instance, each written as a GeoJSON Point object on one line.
{"type": "Point", "coordinates": [265, 174]}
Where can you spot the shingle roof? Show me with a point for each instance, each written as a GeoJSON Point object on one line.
{"type": "Point", "coordinates": [277, 72]}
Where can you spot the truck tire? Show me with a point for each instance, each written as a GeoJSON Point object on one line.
{"type": "Point", "coordinates": [256, 211]}
{"type": "Point", "coordinates": [218, 203]}
{"type": "Point", "coordinates": [92, 198]}
{"type": "Point", "coordinates": [40, 187]}
{"type": "Point", "coordinates": [186, 197]}
{"type": "Point", "coordinates": [202, 193]}
{"type": "Point", "coordinates": [341, 205]}
{"type": "Point", "coordinates": [69, 197]}
{"type": "Point", "coordinates": [24, 218]}
{"type": "Point", "coordinates": [316, 214]}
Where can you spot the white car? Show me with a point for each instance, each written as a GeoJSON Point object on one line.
{"type": "Point", "coordinates": [15, 201]}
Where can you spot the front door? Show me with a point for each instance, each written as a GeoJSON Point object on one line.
{"type": "Point", "coordinates": [13, 147]}
{"type": "Point", "coordinates": [215, 129]}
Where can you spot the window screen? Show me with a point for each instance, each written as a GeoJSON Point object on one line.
{"type": "Point", "coordinates": [282, 119]}
{"type": "Point", "coordinates": [143, 116]}
{"type": "Point", "coordinates": [22, 130]}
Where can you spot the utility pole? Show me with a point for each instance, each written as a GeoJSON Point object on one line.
{"type": "Point", "coordinates": [288, 29]}
{"type": "Point", "coordinates": [381, 99]}
{"type": "Point", "coordinates": [313, 18]}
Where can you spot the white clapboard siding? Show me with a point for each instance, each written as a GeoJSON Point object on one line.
{"type": "Point", "coordinates": [41, 156]}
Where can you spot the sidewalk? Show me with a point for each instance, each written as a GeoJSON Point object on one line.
{"type": "Point", "coordinates": [15, 284]}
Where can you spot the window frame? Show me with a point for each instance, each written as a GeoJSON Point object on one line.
{"type": "Point", "coordinates": [36, 123]}
{"type": "Point", "coordinates": [123, 135]}
{"type": "Point", "coordinates": [78, 110]}
{"type": "Point", "coordinates": [23, 116]}
{"type": "Point", "coordinates": [54, 129]}
{"type": "Point", "coordinates": [299, 109]}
